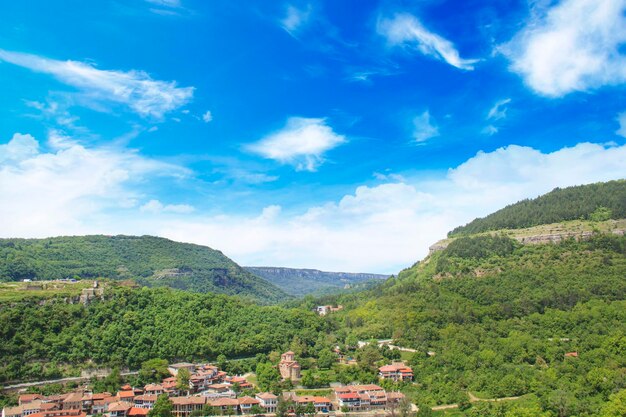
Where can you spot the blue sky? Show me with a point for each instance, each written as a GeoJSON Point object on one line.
{"type": "Point", "coordinates": [338, 135]}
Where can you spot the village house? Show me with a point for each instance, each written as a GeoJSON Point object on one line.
{"type": "Point", "coordinates": [216, 391]}
{"type": "Point", "coordinates": [169, 385]}
{"type": "Point", "coordinates": [126, 395]}
{"type": "Point", "coordinates": [396, 372]}
{"type": "Point", "coordinates": [60, 413]}
{"type": "Point", "coordinates": [184, 406]}
{"type": "Point", "coordinates": [28, 398]}
{"type": "Point", "coordinates": [289, 368]}
{"type": "Point", "coordinates": [23, 410]}
{"type": "Point", "coordinates": [100, 406]}
{"type": "Point", "coordinates": [268, 401]}
{"type": "Point", "coordinates": [246, 403]}
{"type": "Point", "coordinates": [228, 406]}
{"type": "Point", "coordinates": [324, 310]}
{"type": "Point", "coordinates": [153, 389]}
{"type": "Point", "coordinates": [119, 409]}
{"type": "Point", "coordinates": [138, 412]}
{"type": "Point", "coordinates": [365, 397]}
{"type": "Point", "coordinates": [74, 401]}
{"type": "Point", "coordinates": [145, 401]}
{"type": "Point", "coordinates": [321, 404]}
{"type": "Point", "coordinates": [349, 400]}
{"type": "Point", "coordinates": [241, 381]}
{"type": "Point", "coordinates": [174, 368]}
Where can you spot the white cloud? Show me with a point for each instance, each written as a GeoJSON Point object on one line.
{"type": "Point", "coordinates": [498, 111]}
{"type": "Point", "coordinates": [302, 143]}
{"type": "Point", "coordinates": [155, 207]}
{"type": "Point", "coordinates": [573, 46]}
{"type": "Point", "coordinates": [490, 130]}
{"type": "Point", "coordinates": [380, 228]}
{"type": "Point", "coordinates": [207, 117]}
{"type": "Point", "coordinates": [19, 147]}
{"type": "Point", "coordinates": [174, 4]}
{"type": "Point", "coordinates": [424, 127]}
{"type": "Point", "coordinates": [405, 29]}
{"type": "Point", "coordinates": [621, 119]}
{"type": "Point", "coordinates": [295, 18]}
{"type": "Point", "coordinates": [135, 89]}
{"type": "Point", "coordinates": [70, 189]}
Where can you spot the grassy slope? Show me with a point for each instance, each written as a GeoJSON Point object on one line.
{"type": "Point", "coordinates": [500, 323]}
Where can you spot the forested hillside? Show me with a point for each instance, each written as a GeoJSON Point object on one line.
{"type": "Point", "coordinates": [600, 201]}
{"type": "Point", "coordinates": [151, 261]}
{"type": "Point", "coordinates": [299, 282]}
{"type": "Point", "coordinates": [134, 325]}
{"type": "Point", "coordinates": [499, 318]}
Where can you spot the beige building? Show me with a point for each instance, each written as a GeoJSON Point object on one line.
{"type": "Point", "coordinates": [289, 368]}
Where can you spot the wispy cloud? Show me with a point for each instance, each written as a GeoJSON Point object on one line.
{"type": "Point", "coordinates": [207, 117]}
{"type": "Point", "coordinates": [424, 127]}
{"type": "Point", "coordinates": [301, 143]}
{"type": "Point", "coordinates": [498, 111]}
{"type": "Point", "coordinates": [295, 18]}
{"type": "Point", "coordinates": [573, 46]}
{"type": "Point", "coordinates": [156, 207]}
{"type": "Point", "coordinates": [621, 119]}
{"type": "Point", "coordinates": [134, 89]}
{"type": "Point", "coordinates": [490, 130]}
{"type": "Point", "coordinates": [405, 29]}
{"type": "Point", "coordinates": [166, 3]}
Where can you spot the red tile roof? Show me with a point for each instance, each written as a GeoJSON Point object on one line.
{"type": "Point", "coordinates": [125, 394]}
{"type": "Point", "coordinates": [224, 402]}
{"type": "Point", "coordinates": [137, 411]}
{"type": "Point", "coordinates": [248, 400]}
{"type": "Point", "coordinates": [188, 400]}
{"type": "Point", "coordinates": [120, 406]}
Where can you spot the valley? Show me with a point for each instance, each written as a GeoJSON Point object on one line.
{"type": "Point", "coordinates": [498, 322]}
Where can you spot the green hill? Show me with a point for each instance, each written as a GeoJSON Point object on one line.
{"type": "Point", "coordinates": [129, 326]}
{"type": "Point", "coordinates": [600, 201]}
{"type": "Point", "coordinates": [150, 261]}
{"type": "Point", "coordinates": [492, 315]}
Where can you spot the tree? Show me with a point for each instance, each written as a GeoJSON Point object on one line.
{"type": "Point", "coordinates": [326, 359]}
{"type": "Point", "coordinates": [424, 410]}
{"type": "Point", "coordinates": [600, 214]}
{"type": "Point", "coordinates": [153, 370]}
{"type": "Point", "coordinates": [307, 379]}
{"type": "Point", "coordinates": [404, 407]}
{"type": "Point", "coordinates": [266, 375]}
{"type": "Point", "coordinates": [282, 408]}
{"type": "Point", "coordinates": [299, 410]}
{"type": "Point", "coordinates": [368, 356]}
{"type": "Point", "coordinates": [162, 407]}
{"type": "Point", "coordinates": [616, 407]}
{"type": "Point", "coordinates": [310, 409]}
{"type": "Point", "coordinates": [182, 379]}
{"type": "Point", "coordinates": [256, 409]}
{"type": "Point", "coordinates": [222, 362]}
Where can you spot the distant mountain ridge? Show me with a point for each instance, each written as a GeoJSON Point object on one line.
{"type": "Point", "coordinates": [299, 282]}
{"type": "Point", "coordinates": [149, 260]}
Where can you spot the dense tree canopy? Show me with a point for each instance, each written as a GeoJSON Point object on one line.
{"type": "Point", "coordinates": [149, 260]}
{"type": "Point", "coordinates": [598, 202]}
{"type": "Point", "coordinates": [132, 326]}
